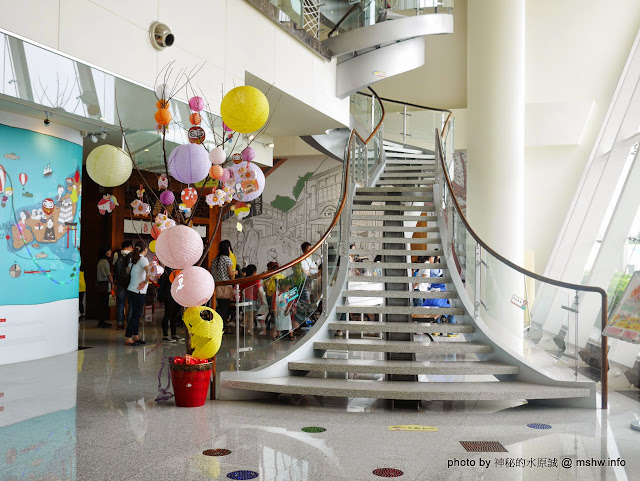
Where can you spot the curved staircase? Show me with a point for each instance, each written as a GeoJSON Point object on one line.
{"type": "Point", "coordinates": [396, 354]}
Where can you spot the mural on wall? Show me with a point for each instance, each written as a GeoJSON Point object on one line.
{"type": "Point", "coordinates": [40, 194]}
{"type": "Point", "coordinates": [298, 204]}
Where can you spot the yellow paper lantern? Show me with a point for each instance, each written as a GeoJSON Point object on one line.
{"type": "Point", "coordinates": [152, 246]}
{"type": "Point", "coordinates": [244, 109]}
{"type": "Point", "coordinates": [109, 166]}
{"type": "Point", "coordinates": [206, 335]}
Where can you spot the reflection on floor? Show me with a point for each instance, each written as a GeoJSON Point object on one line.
{"type": "Point", "coordinates": [90, 415]}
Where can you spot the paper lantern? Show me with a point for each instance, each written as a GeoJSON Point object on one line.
{"type": "Point", "coordinates": [206, 328]}
{"type": "Point", "coordinates": [193, 287]}
{"type": "Point", "coordinates": [216, 171]}
{"type": "Point", "coordinates": [162, 104]}
{"type": "Point", "coordinates": [196, 104]}
{"type": "Point", "coordinates": [189, 163]}
{"type": "Point", "coordinates": [249, 180]}
{"type": "Point", "coordinates": [109, 166]}
{"type": "Point", "coordinates": [163, 117]}
{"type": "Point", "coordinates": [195, 118]}
{"type": "Point", "coordinates": [155, 232]}
{"type": "Point", "coordinates": [189, 196]}
{"type": "Point", "coordinates": [244, 109]}
{"type": "Point", "coordinates": [161, 128]}
{"type": "Point", "coordinates": [248, 154]}
{"type": "Point", "coordinates": [179, 247]}
{"type": "Point", "coordinates": [167, 197]}
{"type": "Point", "coordinates": [162, 91]}
{"type": "Point", "coordinates": [226, 128]}
{"type": "Point", "coordinates": [217, 156]}
{"type": "Point", "coordinates": [152, 244]}
{"type": "Point", "coordinates": [226, 175]}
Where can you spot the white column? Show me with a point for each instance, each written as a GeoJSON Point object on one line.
{"type": "Point", "coordinates": [495, 100]}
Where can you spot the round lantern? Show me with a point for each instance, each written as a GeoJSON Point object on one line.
{"type": "Point", "coordinates": [167, 197]}
{"type": "Point", "coordinates": [196, 104]}
{"type": "Point", "coordinates": [189, 163]}
{"type": "Point", "coordinates": [248, 154]}
{"type": "Point", "coordinates": [162, 91]}
{"type": "Point", "coordinates": [217, 156]}
{"type": "Point", "coordinates": [179, 247]}
{"type": "Point", "coordinates": [163, 117]}
{"type": "Point", "coordinates": [249, 181]}
{"type": "Point", "coordinates": [155, 232]}
{"type": "Point", "coordinates": [226, 175]}
{"type": "Point", "coordinates": [93, 109]}
{"type": "Point", "coordinates": [152, 245]}
{"type": "Point", "coordinates": [195, 118]}
{"type": "Point", "coordinates": [109, 166]}
{"type": "Point", "coordinates": [205, 326]}
{"type": "Point", "coordinates": [244, 109]}
{"type": "Point", "coordinates": [193, 287]}
{"type": "Point", "coordinates": [162, 104]}
{"type": "Point", "coordinates": [216, 171]}
{"type": "Point", "coordinates": [226, 128]}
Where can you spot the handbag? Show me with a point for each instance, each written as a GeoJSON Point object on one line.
{"type": "Point", "coordinates": [112, 299]}
{"type": "Point", "coordinates": [224, 292]}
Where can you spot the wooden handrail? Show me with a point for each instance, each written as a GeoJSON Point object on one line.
{"type": "Point", "coordinates": [334, 222]}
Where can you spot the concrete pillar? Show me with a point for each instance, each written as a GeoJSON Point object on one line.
{"type": "Point", "coordinates": [495, 100]}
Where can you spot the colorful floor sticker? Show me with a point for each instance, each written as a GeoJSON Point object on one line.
{"type": "Point", "coordinates": [216, 452]}
{"type": "Point", "coordinates": [242, 475]}
{"type": "Point", "coordinates": [313, 429]}
{"type": "Point", "coordinates": [413, 427]}
{"type": "Point", "coordinates": [483, 447]}
{"type": "Point", "coordinates": [538, 426]}
{"type": "Point", "coordinates": [388, 472]}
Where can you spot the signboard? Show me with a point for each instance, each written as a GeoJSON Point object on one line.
{"type": "Point", "coordinates": [625, 321]}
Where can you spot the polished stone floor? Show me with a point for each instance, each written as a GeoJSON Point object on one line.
{"type": "Point", "coordinates": [91, 415]}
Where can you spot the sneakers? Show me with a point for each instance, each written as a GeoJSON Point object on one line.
{"type": "Point", "coordinates": [104, 325]}
{"type": "Point", "coordinates": [168, 339]}
{"type": "Point", "coordinates": [177, 338]}
{"type": "Point", "coordinates": [452, 335]}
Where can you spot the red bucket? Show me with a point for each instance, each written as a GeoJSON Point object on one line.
{"type": "Point", "coordinates": [191, 383]}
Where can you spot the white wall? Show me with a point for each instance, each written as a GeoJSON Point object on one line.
{"type": "Point", "coordinates": [228, 36]}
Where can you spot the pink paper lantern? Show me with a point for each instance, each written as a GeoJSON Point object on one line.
{"type": "Point", "coordinates": [179, 247]}
{"type": "Point", "coordinates": [249, 181]}
{"type": "Point", "coordinates": [226, 128]}
{"type": "Point", "coordinates": [248, 154]}
{"type": "Point", "coordinates": [196, 104]}
{"type": "Point", "coordinates": [167, 197]}
{"type": "Point", "coordinates": [189, 163]}
{"type": "Point", "coordinates": [217, 156]}
{"type": "Point", "coordinates": [226, 175]}
{"type": "Point", "coordinates": [193, 287]}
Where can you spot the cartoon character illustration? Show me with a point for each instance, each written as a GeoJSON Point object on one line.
{"type": "Point", "coordinates": [49, 232]}
{"type": "Point", "coordinates": [163, 222]}
{"type": "Point", "coordinates": [66, 211]}
{"type": "Point", "coordinates": [163, 182]}
{"type": "Point", "coordinates": [22, 222]}
{"type": "Point", "coordinates": [241, 210]}
{"type": "Point", "coordinates": [47, 206]}
{"type": "Point", "coordinates": [186, 211]}
{"type": "Point", "coordinates": [219, 198]}
{"type": "Point", "coordinates": [60, 193]}
{"type": "Point", "coordinates": [74, 194]}
{"type": "Point", "coordinates": [107, 204]}
{"type": "Point", "coordinates": [189, 197]}
{"type": "Point", "coordinates": [140, 208]}
{"type": "Point", "coordinates": [3, 178]}
{"type": "Point", "coordinates": [27, 194]}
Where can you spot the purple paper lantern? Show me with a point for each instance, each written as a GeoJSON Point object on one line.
{"type": "Point", "coordinates": [226, 174]}
{"type": "Point", "coordinates": [196, 104]}
{"type": "Point", "coordinates": [167, 197]}
{"type": "Point", "coordinates": [189, 163]}
{"type": "Point", "coordinates": [248, 154]}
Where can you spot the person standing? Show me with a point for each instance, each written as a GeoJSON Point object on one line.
{"type": "Point", "coordinates": [222, 270]}
{"type": "Point", "coordinates": [172, 310]}
{"type": "Point", "coordinates": [136, 293]}
{"type": "Point", "coordinates": [121, 262]}
{"type": "Point", "coordinates": [104, 281]}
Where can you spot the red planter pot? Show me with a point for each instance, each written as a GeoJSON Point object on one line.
{"type": "Point", "coordinates": [191, 383]}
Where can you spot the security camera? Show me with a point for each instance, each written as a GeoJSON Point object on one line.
{"type": "Point", "coordinates": [160, 36]}
{"type": "Point", "coordinates": [47, 121]}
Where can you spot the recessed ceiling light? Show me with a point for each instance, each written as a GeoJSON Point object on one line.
{"type": "Point", "coordinates": [251, 137]}
{"type": "Point", "coordinates": [271, 145]}
{"type": "Point", "coordinates": [103, 118]}
{"type": "Point", "coordinates": [146, 150]}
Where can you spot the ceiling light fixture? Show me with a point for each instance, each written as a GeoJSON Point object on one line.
{"type": "Point", "coordinates": [103, 135]}
{"type": "Point", "coordinates": [146, 150]}
{"type": "Point", "coordinates": [104, 119]}
{"type": "Point", "coordinates": [271, 145]}
{"type": "Point", "coordinates": [251, 137]}
{"type": "Point", "coordinates": [93, 138]}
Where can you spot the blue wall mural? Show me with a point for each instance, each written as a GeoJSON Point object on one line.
{"type": "Point", "coordinates": [40, 194]}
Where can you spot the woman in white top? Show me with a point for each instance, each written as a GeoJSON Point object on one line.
{"type": "Point", "coordinates": [136, 292]}
{"type": "Point", "coordinates": [309, 267]}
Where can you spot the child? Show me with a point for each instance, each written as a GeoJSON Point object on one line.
{"type": "Point", "coordinates": [253, 295]}
{"type": "Point", "coordinates": [283, 316]}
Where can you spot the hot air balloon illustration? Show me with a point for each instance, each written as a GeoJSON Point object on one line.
{"type": "Point", "coordinates": [3, 179]}
{"type": "Point", "coordinates": [23, 179]}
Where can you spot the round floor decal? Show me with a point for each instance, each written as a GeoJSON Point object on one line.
{"type": "Point", "coordinates": [539, 426]}
{"type": "Point", "coordinates": [314, 429]}
{"type": "Point", "coordinates": [216, 452]}
{"type": "Point", "coordinates": [387, 472]}
{"type": "Point", "coordinates": [242, 475]}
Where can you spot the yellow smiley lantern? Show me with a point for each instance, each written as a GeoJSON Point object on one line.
{"type": "Point", "coordinates": [205, 326]}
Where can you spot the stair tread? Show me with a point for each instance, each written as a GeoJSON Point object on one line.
{"type": "Point", "coordinates": [397, 252]}
{"type": "Point", "coordinates": [412, 327]}
{"type": "Point", "coordinates": [400, 265]}
{"type": "Point", "coordinates": [387, 228]}
{"type": "Point", "coordinates": [399, 240]}
{"type": "Point", "coordinates": [389, 217]}
{"type": "Point", "coordinates": [408, 175]}
{"type": "Point", "coordinates": [404, 208]}
{"type": "Point", "coordinates": [402, 367]}
{"type": "Point", "coordinates": [428, 188]}
{"type": "Point", "coordinates": [408, 310]}
{"type": "Point", "coordinates": [408, 155]}
{"type": "Point", "coordinates": [393, 198]}
{"type": "Point", "coordinates": [383, 345]}
{"type": "Point", "coordinates": [400, 279]}
{"type": "Point", "coordinates": [407, 182]}
{"type": "Point", "coordinates": [407, 389]}
{"type": "Point", "coordinates": [401, 294]}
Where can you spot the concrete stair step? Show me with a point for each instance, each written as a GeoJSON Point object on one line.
{"type": "Point", "coordinates": [383, 190]}
{"type": "Point", "coordinates": [385, 228]}
{"type": "Point", "coordinates": [407, 327]}
{"type": "Point", "coordinates": [398, 240]}
{"type": "Point", "coordinates": [382, 345]}
{"type": "Point", "coordinates": [400, 265]}
{"type": "Point", "coordinates": [393, 147]}
{"type": "Point", "coordinates": [390, 198]}
{"type": "Point", "coordinates": [407, 161]}
{"type": "Point", "coordinates": [407, 390]}
{"type": "Point", "coordinates": [399, 182]}
{"type": "Point", "coordinates": [400, 279]}
{"type": "Point", "coordinates": [397, 252]}
{"type": "Point", "coordinates": [408, 310]}
{"type": "Point", "coordinates": [401, 294]}
{"type": "Point", "coordinates": [389, 217]}
{"type": "Point", "coordinates": [404, 208]}
{"type": "Point", "coordinates": [407, 155]}
{"type": "Point", "coordinates": [412, 168]}
{"type": "Point", "coordinates": [408, 175]}
{"type": "Point", "coordinates": [366, 366]}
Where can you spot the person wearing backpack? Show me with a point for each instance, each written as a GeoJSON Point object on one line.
{"type": "Point", "coordinates": [121, 275]}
